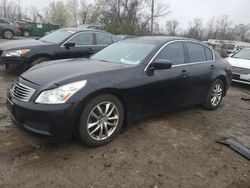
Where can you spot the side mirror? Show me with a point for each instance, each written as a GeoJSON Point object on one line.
{"type": "Point", "coordinates": [69, 45]}
{"type": "Point", "coordinates": [161, 64]}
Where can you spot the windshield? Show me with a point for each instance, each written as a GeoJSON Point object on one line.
{"type": "Point", "coordinates": [125, 52]}
{"type": "Point", "coordinates": [243, 54]}
{"type": "Point", "coordinates": [57, 36]}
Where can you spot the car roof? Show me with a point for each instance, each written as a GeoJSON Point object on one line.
{"type": "Point", "coordinates": [161, 39]}
{"type": "Point", "coordinates": [79, 29]}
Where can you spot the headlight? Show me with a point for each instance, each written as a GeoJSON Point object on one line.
{"type": "Point", "coordinates": [15, 53]}
{"type": "Point", "coordinates": [61, 94]}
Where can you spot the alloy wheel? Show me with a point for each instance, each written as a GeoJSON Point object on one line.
{"type": "Point", "coordinates": [102, 121]}
{"type": "Point", "coordinates": [8, 34]}
{"type": "Point", "coordinates": [216, 95]}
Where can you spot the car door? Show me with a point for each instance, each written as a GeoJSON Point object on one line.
{"type": "Point", "coordinates": [83, 45]}
{"type": "Point", "coordinates": [168, 88]}
{"type": "Point", "coordinates": [202, 66]}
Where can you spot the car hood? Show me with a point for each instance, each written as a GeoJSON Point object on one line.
{"type": "Point", "coordinates": [60, 72]}
{"type": "Point", "coordinates": [18, 44]}
{"type": "Point", "coordinates": [243, 63]}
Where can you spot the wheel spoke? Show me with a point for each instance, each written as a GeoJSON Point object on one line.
{"type": "Point", "coordinates": [113, 118]}
{"type": "Point", "coordinates": [101, 132]}
{"type": "Point", "coordinates": [96, 129]}
{"type": "Point", "coordinates": [90, 125]}
{"type": "Point", "coordinates": [93, 114]}
{"type": "Point", "coordinates": [105, 129]}
{"type": "Point", "coordinates": [111, 124]}
{"type": "Point", "coordinates": [107, 108]}
{"type": "Point", "coordinates": [111, 111]}
{"type": "Point", "coordinates": [100, 110]}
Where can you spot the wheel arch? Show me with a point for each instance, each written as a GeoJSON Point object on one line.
{"type": "Point", "coordinates": [40, 56]}
{"type": "Point", "coordinates": [83, 103]}
{"type": "Point", "coordinates": [224, 81]}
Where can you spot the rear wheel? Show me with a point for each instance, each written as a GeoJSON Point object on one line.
{"type": "Point", "coordinates": [101, 120]}
{"type": "Point", "coordinates": [215, 95]}
{"type": "Point", "coordinates": [26, 34]}
{"type": "Point", "coordinates": [8, 34]}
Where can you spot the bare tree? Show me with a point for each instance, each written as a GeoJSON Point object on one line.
{"type": "Point", "coordinates": [58, 13]}
{"type": "Point", "coordinates": [195, 29]}
{"type": "Point", "coordinates": [34, 13]}
{"type": "Point", "coordinates": [172, 26]}
{"type": "Point", "coordinates": [73, 9]}
{"type": "Point", "coordinates": [84, 11]}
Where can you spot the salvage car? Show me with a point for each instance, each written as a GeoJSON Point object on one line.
{"type": "Point", "coordinates": [129, 80]}
{"type": "Point", "coordinates": [9, 28]}
{"type": "Point", "coordinates": [241, 66]}
{"type": "Point", "coordinates": [25, 28]}
{"type": "Point", "coordinates": [18, 56]}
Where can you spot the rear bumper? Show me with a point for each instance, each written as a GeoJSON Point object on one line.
{"type": "Point", "coordinates": [54, 122]}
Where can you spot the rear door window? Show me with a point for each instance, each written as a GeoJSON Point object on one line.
{"type": "Point", "coordinates": [103, 39]}
{"type": "Point", "coordinates": [173, 52]}
{"type": "Point", "coordinates": [196, 52]}
{"type": "Point", "coordinates": [3, 22]}
{"type": "Point", "coordinates": [209, 54]}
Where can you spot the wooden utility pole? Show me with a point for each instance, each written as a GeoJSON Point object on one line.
{"type": "Point", "coordinates": [152, 17]}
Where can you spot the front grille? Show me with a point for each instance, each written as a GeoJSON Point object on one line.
{"type": "Point", "coordinates": [239, 70]}
{"type": "Point", "coordinates": [22, 92]}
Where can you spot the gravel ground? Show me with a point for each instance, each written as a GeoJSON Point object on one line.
{"type": "Point", "coordinates": [176, 149]}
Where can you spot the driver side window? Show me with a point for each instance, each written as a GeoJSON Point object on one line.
{"type": "Point", "coordinates": [82, 39]}
{"type": "Point", "coordinates": [173, 52]}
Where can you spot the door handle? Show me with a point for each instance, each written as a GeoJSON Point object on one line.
{"type": "Point", "coordinates": [184, 73]}
{"type": "Point", "coordinates": [212, 67]}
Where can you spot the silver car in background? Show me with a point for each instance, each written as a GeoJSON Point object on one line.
{"type": "Point", "coordinates": [240, 62]}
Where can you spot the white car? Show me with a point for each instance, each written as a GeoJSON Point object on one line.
{"type": "Point", "coordinates": [241, 66]}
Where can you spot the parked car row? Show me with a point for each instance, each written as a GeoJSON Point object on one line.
{"type": "Point", "coordinates": [126, 81]}
{"type": "Point", "coordinates": [18, 56]}
{"type": "Point", "coordinates": [10, 28]}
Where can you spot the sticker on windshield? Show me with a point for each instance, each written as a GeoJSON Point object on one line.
{"type": "Point", "coordinates": [71, 32]}
{"type": "Point", "coordinates": [129, 62]}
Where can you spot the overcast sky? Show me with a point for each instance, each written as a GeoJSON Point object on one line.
{"type": "Point", "coordinates": [186, 10]}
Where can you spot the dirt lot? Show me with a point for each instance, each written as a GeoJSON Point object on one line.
{"type": "Point", "coordinates": [177, 149]}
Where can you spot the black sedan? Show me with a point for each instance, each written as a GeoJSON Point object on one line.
{"type": "Point", "coordinates": [62, 44]}
{"type": "Point", "coordinates": [131, 79]}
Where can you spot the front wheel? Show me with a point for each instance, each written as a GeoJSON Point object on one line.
{"type": "Point", "coordinates": [101, 120]}
{"type": "Point", "coordinates": [8, 34]}
{"type": "Point", "coordinates": [26, 34]}
{"type": "Point", "coordinates": [215, 95]}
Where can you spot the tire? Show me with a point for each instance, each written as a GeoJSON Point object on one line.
{"type": "Point", "coordinates": [215, 95]}
{"type": "Point", "coordinates": [8, 34]}
{"type": "Point", "coordinates": [26, 33]}
{"type": "Point", "coordinates": [38, 60]}
{"type": "Point", "coordinates": [91, 128]}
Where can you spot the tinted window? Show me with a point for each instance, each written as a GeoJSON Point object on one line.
{"type": "Point", "coordinates": [103, 39]}
{"type": "Point", "coordinates": [82, 39]}
{"type": "Point", "coordinates": [2, 21]}
{"type": "Point", "coordinates": [209, 54]}
{"type": "Point", "coordinates": [125, 52]}
{"type": "Point", "coordinates": [173, 52]}
{"type": "Point", "coordinates": [196, 52]}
